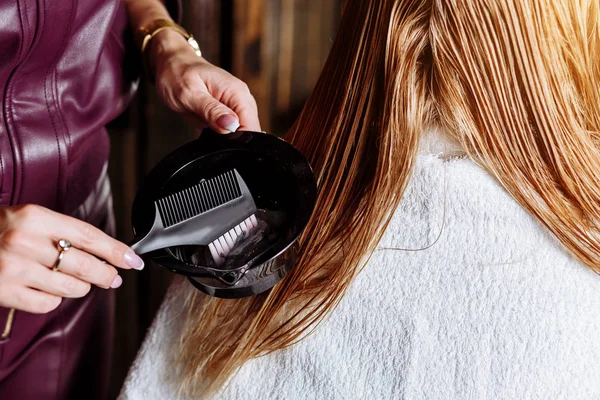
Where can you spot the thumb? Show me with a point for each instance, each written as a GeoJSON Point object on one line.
{"type": "Point", "coordinates": [215, 114]}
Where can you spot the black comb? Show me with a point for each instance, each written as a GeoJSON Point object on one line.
{"type": "Point", "coordinates": [213, 213]}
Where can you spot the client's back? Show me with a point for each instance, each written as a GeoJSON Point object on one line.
{"type": "Point", "coordinates": [478, 278]}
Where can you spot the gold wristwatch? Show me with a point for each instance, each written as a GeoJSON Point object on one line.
{"type": "Point", "coordinates": [156, 26]}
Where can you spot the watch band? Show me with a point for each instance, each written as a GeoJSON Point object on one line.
{"type": "Point", "coordinates": [156, 26]}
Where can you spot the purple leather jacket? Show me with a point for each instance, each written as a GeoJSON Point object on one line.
{"type": "Point", "coordinates": [65, 71]}
{"type": "Point", "coordinates": [63, 76]}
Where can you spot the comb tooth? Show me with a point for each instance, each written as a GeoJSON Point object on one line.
{"type": "Point", "coordinates": [204, 197]}
{"type": "Point", "coordinates": [215, 192]}
{"type": "Point", "coordinates": [161, 210]}
{"type": "Point", "coordinates": [208, 192]}
{"type": "Point", "coordinates": [224, 192]}
{"type": "Point", "coordinates": [169, 207]}
{"type": "Point", "coordinates": [198, 191]}
{"type": "Point", "coordinates": [188, 204]}
{"type": "Point", "coordinates": [198, 197]}
{"type": "Point", "coordinates": [181, 207]}
{"type": "Point", "coordinates": [218, 192]}
{"type": "Point", "coordinates": [174, 209]}
{"type": "Point", "coordinates": [195, 202]}
{"type": "Point", "coordinates": [229, 178]}
{"type": "Point", "coordinates": [228, 185]}
{"type": "Point", "coordinates": [205, 190]}
{"type": "Point", "coordinates": [236, 184]}
{"type": "Point", "coordinates": [185, 212]}
{"type": "Point", "coordinates": [235, 187]}
{"type": "Point", "coordinates": [178, 208]}
{"type": "Point", "coordinates": [166, 211]}
{"type": "Point", "coordinates": [225, 187]}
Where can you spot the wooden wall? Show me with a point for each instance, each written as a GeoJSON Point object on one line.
{"type": "Point", "coordinates": [278, 48]}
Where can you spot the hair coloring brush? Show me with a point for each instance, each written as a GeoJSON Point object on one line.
{"type": "Point", "coordinates": [214, 213]}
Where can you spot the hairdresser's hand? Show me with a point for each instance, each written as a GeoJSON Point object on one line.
{"type": "Point", "coordinates": [28, 238]}
{"type": "Point", "coordinates": [202, 92]}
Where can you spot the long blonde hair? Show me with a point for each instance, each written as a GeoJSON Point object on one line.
{"type": "Point", "coordinates": [516, 82]}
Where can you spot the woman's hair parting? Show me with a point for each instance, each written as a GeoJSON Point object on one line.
{"type": "Point", "coordinates": [515, 82]}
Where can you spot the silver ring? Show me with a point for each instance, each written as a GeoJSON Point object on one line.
{"type": "Point", "coordinates": [62, 246]}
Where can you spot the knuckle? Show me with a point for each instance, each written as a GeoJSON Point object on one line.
{"type": "Point", "coordinates": [5, 266]}
{"type": "Point", "coordinates": [14, 238]}
{"type": "Point", "coordinates": [89, 234]}
{"type": "Point", "coordinates": [68, 286]}
{"type": "Point", "coordinates": [118, 255]}
{"type": "Point", "coordinates": [180, 94]}
{"type": "Point", "coordinates": [244, 87]}
{"type": "Point", "coordinates": [253, 101]}
{"type": "Point", "coordinates": [188, 83]}
{"type": "Point", "coordinates": [85, 289]}
{"type": "Point", "coordinates": [211, 110]}
{"type": "Point", "coordinates": [84, 268]}
{"type": "Point", "coordinates": [47, 304]}
{"type": "Point", "coordinates": [189, 78]}
{"type": "Point", "coordinates": [22, 301]}
{"type": "Point", "coordinates": [28, 211]}
{"type": "Point", "coordinates": [111, 277]}
{"type": "Point", "coordinates": [6, 295]}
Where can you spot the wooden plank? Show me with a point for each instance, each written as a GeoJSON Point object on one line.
{"type": "Point", "coordinates": [203, 19]}
{"type": "Point", "coordinates": [251, 47]}
{"type": "Point", "coordinates": [317, 25]}
{"type": "Point", "coordinates": [286, 54]}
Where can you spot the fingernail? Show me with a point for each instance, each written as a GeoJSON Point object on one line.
{"type": "Point", "coordinates": [228, 122]}
{"type": "Point", "coordinates": [117, 282]}
{"type": "Point", "coordinates": [133, 260]}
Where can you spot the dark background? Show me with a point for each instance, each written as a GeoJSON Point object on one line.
{"type": "Point", "coordinates": [278, 48]}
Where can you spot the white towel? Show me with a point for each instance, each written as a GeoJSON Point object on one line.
{"type": "Point", "coordinates": [494, 309]}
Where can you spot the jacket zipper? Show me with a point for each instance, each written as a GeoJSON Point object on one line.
{"type": "Point", "coordinates": [8, 325]}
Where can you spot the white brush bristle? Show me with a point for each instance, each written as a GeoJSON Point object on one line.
{"type": "Point", "coordinates": [221, 247]}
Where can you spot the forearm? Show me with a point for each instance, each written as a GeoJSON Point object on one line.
{"type": "Point", "coordinates": [187, 83]}
{"type": "Point", "coordinates": [143, 12]}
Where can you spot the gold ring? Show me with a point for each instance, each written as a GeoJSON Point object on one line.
{"type": "Point", "coordinates": [62, 246]}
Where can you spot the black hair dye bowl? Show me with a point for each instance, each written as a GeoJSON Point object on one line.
{"type": "Point", "coordinates": [282, 184]}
